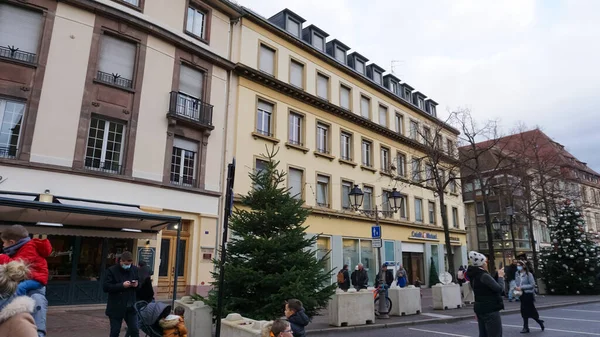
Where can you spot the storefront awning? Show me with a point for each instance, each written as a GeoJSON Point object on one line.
{"type": "Point", "coordinates": [80, 214]}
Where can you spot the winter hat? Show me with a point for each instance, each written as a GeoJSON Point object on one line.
{"type": "Point", "coordinates": [477, 259]}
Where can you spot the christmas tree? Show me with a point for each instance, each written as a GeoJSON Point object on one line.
{"type": "Point", "coordinates": [570, 266]}
{"type": "Point", "coordinates": [269, 258]}
{"type": "Point", "coordinates": [433, 274]}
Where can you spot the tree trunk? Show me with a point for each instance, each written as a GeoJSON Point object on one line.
{"type": "Point", "coordinates": [449, 252]}
{"type": "Point", "coordinates": [488, 228]}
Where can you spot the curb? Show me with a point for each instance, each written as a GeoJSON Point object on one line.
{"type": "Point", "coordinates": [439, 320]}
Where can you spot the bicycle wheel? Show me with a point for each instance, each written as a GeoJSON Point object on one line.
{"type": "Point", "coordinates": [389, 303]}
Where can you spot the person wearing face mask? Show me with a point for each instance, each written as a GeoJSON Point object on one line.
{"type": "Point", "coordinates": [525, 283]}
{"type": "Point", "coordinates": [121, 282]}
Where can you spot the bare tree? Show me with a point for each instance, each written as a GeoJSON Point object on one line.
{"type": "Point", "coordinates": [441, 168]}
{"type": "Point", "coordinates": [480, 145]}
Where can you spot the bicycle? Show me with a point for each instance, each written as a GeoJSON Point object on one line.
{"type": "Point", "coordinates": [376, 299]}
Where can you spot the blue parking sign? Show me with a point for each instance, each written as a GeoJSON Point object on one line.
{"type": "Point", "coordinates": [376, 232]}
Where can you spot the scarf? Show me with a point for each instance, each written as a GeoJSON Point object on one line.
{"type": "Point", "coordinates": [12, 250]}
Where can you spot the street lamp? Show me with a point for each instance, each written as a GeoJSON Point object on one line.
{"type": "Point", "coordinates": [356, 197]}
{"type": "Point", "coordinates": [510, 211]}
{"type": "Point", "coordinates": [503, 228]}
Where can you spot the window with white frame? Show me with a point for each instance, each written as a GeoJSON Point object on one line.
{"type": "Point", "coordinates": [266, 60]}
{"type": "Point", "coordinates": [260, 168]}
{"type": "Point", "coordinates": [196, 22]}
{"type": "Point", "coordinates": [346, 146]}
{"type": "Point", "coordinates": [346, 188]}
{"type": "Point", "coordinates": [399, 121]}
{"type": "Point", "coordinates": [429, 174]}
{"type": "Point", "coordinates": [295, 182]}
{"type": "Point", "coordinates": [402, 210]}
{"type": "Point", "coordinates": [11, 117]}
{"type": "Point", "coordinates": [345, 97]}
{"type": "Point", "coordinates": [386, 207]}
{"type": "Point", "coordinates": [401, 164]}
{"type": "Point", "coordinates": [385, 160]}
{"type": "Point", "coordinates": [340, 55]}
{"type": "Point", "coordinates": [296, 124]}
{"type": "Point", "coordinates": [133, 2]}
{"type": "Point", "coordinates": [264, 118]}
{"type": "Point", "coordinates": [454, 217]}
{"type": "Point", "coordinates": [105, 143]}
{"type": "Point", "coordinates": [426, 135]}
{"type": "Point", "coordinates": [318, 42]}
{"type": "Point", "coordinates": [414, 130]}
{"type": "Point", "coordinates": [323, 191]}
{"type": "Point", "coordinates": [418, 210]}
{"type": "Point", "coordinates": [416, 169]}
{"type": "Point", "coordinates": [368, 198]}
{"type": "Point", "coordinates": [297, 74]}
{"type": "Point", "coordinates": [183, 162]}
{"type": "Point", "coordinates": [191, 83]}
{"type": "Point", "coordinates": [360, 66]}
{"type": "Point", "coordinates": [383, 112]}
{"type": "Point", "coordinates": [433, 112]}
{"type": "Point", "coordinates": [431, 211]}
{"type": "Point", "coordinates": [293, 27]}
{"type": "Point", "coordinates": [322, 86]}
{"type": "Point", "coordinates": [452, 183]}
{"type": "Point", "coordinates": [322, 138]}
{"type": "Point", "coordinates": [367, 153]}
{"type": "Point", "coordinates": [450, 147]}
{"type": "Point", "coordinates": [117, 61]}
{"type": "Point", "coordinates": [20, 33]}
{"type": "Point", "coordinates": [365, 107]}
{"type": "Point", "coordinates": [420, 103]}
{"type": "Point", "coordinates": [394, 87]}
{"type": "Point", "coordinates": [407, 94]}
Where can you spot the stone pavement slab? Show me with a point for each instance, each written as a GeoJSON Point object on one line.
{"type": "Point", "coordinates": [90, 321]}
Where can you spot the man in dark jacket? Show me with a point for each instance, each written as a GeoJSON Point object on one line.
{"type": "Point", "coordinates": [511, 272]}
{"type": "Point", "coordinates": [488, 295]}
{"type": "Point", "coordinates": [353, 277]}
{"type": "Point", "coordinates": [346, 284]}
{"type": "Point", "coordinates": [120, 283]}
{"type": "Point", "coordinates": [362, 278]}
{"type": "Point", "coordinates": [389, 276]}
{"type": "Point", "coordinates": [294, 311]}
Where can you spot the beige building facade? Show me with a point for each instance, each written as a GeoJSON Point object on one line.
{"type": "Point", "coordinates": [338, 122]}
{"type": "Point", "coordinates": [121, 105]}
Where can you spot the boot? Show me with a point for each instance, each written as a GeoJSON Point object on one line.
{"type": "Point", "coordinates": [541, 323]}
{"type": "Point", "coordinates": [525, 325]}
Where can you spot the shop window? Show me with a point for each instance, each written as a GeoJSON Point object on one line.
{"type": "Point", "coordinates": [60, 261]}
{"type": "Point", "coordinates": [90, 259]}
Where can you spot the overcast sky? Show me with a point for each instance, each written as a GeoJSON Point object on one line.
{"type": "Point", "coordinates": [535, 62]}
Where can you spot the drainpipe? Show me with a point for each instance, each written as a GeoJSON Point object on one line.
{"type": "Point", "coordinates": [224, 158]}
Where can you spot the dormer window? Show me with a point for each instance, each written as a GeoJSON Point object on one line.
{"type": "Point", "coordinates": [293, 27]}
{"type": "Point", "coordinates": [340, 55]}
{"type": "Point", "coordinates": [407, 94]}
{"type": "Point", "coordinates": [318, 42]}
{"type": "Point", "coordinates": [377, 77]}
{"type": "Point", "coordinates": [433, 112]}
{"type": "Point", "coordinates": [360, 66]}
{"type": "Point", "coordinates": [421, 103]}
{"type": "Point", "coordinates": [394, 87]}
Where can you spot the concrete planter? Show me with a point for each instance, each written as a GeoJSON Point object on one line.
{"type": "Point", "coordinates": [468, 296]}
{"type": "Point", "coordinates": [198, 317]}
{"type": "Point", "coordinates": [446, 297]}
{"type": "Point", "coordinates": [234, 325]}
{"type": "Point", "coordinates": [405, 301]}
{"type": "Point", "coordinates": [351, 308]}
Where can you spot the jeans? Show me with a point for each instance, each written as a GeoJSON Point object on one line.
{"type": "Point", "coordinates": [490, 325]}
{"type": "Point", "coordinates": [41, 309]}
{"type": "Point", "coordinates": [511, 288]}
{"type": "Point", "coordinates": [131, 321]}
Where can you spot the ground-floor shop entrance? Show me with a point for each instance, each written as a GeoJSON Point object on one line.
{"type": "Point", "coordinates": [77, 266]}
{"type": "Point", "coordinates": [168, 254]}
{"type": "Point", "coordinates": [414, 265]}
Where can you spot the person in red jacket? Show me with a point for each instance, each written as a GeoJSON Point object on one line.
{"type": "Point", "coordinates": [19, 246]}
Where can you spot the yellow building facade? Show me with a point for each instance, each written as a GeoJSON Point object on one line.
{"type": "Point", "coordinates": [338, 122]}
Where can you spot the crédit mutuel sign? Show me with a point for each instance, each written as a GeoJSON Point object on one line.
{"type": "Point", "coordinates": [423, 236]}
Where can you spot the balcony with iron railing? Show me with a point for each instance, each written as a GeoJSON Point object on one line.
{"type": "Point", "coordinates": [10, 52]}
{"type": "Point", "coordinates": [189, 109]}
{"type": "Point", "coordinates": [114, 79]}
{"type": "Point", "coordinates": [103, 166]}
{"type": "Point", "coordinates": [183, 181]}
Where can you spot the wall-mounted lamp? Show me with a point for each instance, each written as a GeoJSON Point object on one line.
{"type": "Point", "coordinates": [46, 197]}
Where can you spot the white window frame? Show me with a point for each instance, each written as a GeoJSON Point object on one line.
{"type": "Point", "coordinates": [399, 123]}
{"type": "Point", "coordinates": [431, 212]}
{"type": "Point", "coordinates": [300, 194]}
{"type": "Point", "coordinates": [296, 33]}
{"type": "Point", "coordinates": [367, 153]}
{"type": "Point", "coordinates": [322, 85]}
{"type": "Point", "coordinates": [360, 69]}
{"type": "Point", "coordinates": [416, 170]}
{"type": "Point", "coordinates": [455, 223]}
{"type": "Point", "coordinates": [346, 198]}
{"type": "Point", "coordinates": [383, 112]}
{"type": "Point", "coordinates": [323, 183]}
{"type": "Point", "coordinates": [414, 130]}
{"type": "Point", "coordinates": [377, 77]}
{"type": "Point", "coordinates": [261, 120]}
{"type": "Point", "coordinates": [365, 100]}
{"type": "Point", "coordinates": [347, 89]}
{"type": "Point", "coordinates": [295, 128]}
{"type": "Point", "coordinates": [184, 149]}
{"type": "Point", "coordinates": [107, 124]}
{"type": "Point", "coordinates": [368, 195]}
{"type": "Point", "coordinates": [346, 146]}
{"type": "Point", "coordinates": [263, 48]}
{"type": "Point", "coordinates": [385, 159]}
{"type": "Point", "coordinates": [190, 26]}
{"type": "Point", "coordinates": [420, 103]}
{"type": "Point", "coordinates": [297, 82]}
{"type": "Point", "coordinates": [401, 163]}
{"type": "Point", "coordinates": [340, 55]}
{"type": "Point", "coordinates": [418, 210]}
{"type": "Point", "coordinates": [3, 106]}
{"type": "Point", "coordinates": [320, 46]}
{"type": "Point", "coordinates": [322, 137]}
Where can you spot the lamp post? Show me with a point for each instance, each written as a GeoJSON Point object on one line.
{"type": "Point", "coordinates": [356, 196]}
{"type": "Point", "coordinates": [503, 228]}
{"type": "Point", "coordinates": [511, 212]}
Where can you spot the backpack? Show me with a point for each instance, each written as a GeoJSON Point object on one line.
{"type": "Point", "coordinates": [340, 277]}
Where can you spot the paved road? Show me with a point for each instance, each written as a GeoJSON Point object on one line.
{"type": "Point", "coordinates": [573, 321]}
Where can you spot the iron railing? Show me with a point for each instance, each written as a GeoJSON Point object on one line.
{"type": "Point", "coordinates": [191, 108]}
{"type": "Point", "coordinates": [115, 79]}
{"type": "Point", "coordinates": [100, 166]}
{"type": "Point", "coordinates": [178, 180]}
{"type": "Point", "coordinates": [8, 152]}
{"type": "Point", "coordinates": [295, 142]}
{"type": "Point", "coordinates": [264, 132]}
{"type": "Point", "coordinates": [14, 53]}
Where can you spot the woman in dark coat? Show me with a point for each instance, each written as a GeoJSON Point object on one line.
{"type": "Point", "coordinates": [145, 291]}
{"type": "Point", "coordinates": [525, 282]}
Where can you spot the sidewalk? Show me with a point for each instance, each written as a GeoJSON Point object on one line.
{"type": "Point", "coordinates": [90, 321]}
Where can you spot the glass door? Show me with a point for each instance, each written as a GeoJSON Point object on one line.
{"type": "Point", "coordinates": [166, 270]}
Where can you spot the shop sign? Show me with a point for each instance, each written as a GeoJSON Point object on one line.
{"type": "Point", "coordinates": [423, 236]}
{"type": "Point", "coordinates": [454, 238]}
{"type": "Point", "coordinates": [147, 254]}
